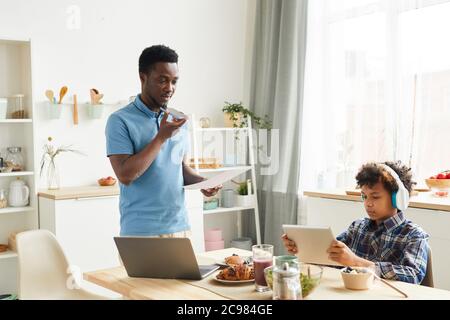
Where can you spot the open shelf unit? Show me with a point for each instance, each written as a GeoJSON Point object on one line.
{"type": "Point", "coordinates": [250, 169]}
{"type": "Point", "coordinates": [15, 78]}
{"type": "Point", "coordinates": [13, 121]}
{"type": "Point", "coordinates": [16, 210]}
{"type": "Point", "coordinates": [224, 169]}
{"type": "Point", "coordinates": [225, 210]}
{"type": "Point", "coordinates": [8, 255]}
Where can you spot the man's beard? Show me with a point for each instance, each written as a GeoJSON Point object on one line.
{"type": "Point", "coordinates": [156, 104]}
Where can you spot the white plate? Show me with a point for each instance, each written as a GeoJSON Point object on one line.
{"type": "Point", "coordinates": [234, 282]}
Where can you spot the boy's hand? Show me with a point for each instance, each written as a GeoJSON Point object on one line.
{"type": "Point", "coordinates": [290, 245]}
{"type": "Point", "coordinates": [340, 253]}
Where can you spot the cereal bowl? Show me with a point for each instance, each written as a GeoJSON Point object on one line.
{"type": "Point", "coordinates": [357, 278]}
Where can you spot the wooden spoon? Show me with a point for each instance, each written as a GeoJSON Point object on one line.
{"type": "Point", "coordinates": [75, 110]}
{"type": "Point", "coordinates": [62, 93]}
{"type": "Point", "coordinates": [49, 94]}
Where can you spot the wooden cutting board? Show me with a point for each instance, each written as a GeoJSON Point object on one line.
{"type": "Point", "coordinates": [358, 193]}
{"type": "Point", "coordinates": [353, 192]}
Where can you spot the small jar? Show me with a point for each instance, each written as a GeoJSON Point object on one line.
{"type": "Point", "coordinates": [228, 198]}
{"type": "Point", "coordinates": [205, 122]}
{"type": "Point", "coordinates": [210, 203]}
{"type": "Point", "coordinates": [3, 199]}
{"type": "Point", "coordinates": [18, 109]}
{"type": "Point", "coordinates": [286, 279]}
{"type": "Point", "coordinates": [14, 159]}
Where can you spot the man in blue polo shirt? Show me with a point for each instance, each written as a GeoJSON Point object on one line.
{"type": "Point", "coordinates": [146, 146]}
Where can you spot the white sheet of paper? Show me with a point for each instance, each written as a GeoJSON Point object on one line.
{"type": "Point", "coordinates": [216, 180]}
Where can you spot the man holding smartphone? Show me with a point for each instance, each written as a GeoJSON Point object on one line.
{"type": "Point", "coordinates": [147, 148]}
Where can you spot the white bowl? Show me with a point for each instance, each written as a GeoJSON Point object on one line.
{"type": "Point", "coordinates": [362, 280]}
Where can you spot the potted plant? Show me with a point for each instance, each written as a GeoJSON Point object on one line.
{"type": "Point", "coordinates": [244, 198]}
{"type": "Point", "coordinates": [236, 116]}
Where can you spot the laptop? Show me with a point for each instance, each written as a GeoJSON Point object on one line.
{"type": "Point", "coordinates": [165, 258]}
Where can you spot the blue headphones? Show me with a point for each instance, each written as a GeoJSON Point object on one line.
{"type": "Point", "coordinates": [400, 198]}
{"type": "Point", "coordinates": [394, 200]}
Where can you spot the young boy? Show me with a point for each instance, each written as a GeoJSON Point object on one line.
{"type": "Point", "coordinates": [395, 247]}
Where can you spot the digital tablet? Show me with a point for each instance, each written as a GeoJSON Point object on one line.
{"type": "Point", "coordinates": [313, 243]}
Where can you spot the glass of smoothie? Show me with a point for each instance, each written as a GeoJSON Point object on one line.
{"type": "Point", "coordinates": [262, 258]}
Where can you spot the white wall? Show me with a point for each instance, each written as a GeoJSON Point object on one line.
{"type": "Point", "coordinates": [211, 37]}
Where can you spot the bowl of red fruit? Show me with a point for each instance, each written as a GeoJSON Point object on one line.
{"type": "Point", "coordinates": [107, 182]}
{"type": "Point", "coordinates": [439, 184]}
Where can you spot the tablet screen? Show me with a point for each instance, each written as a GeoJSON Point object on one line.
{"type": "Point", "coordinates": [312, 243]}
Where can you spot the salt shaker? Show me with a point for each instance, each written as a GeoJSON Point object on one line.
{"type": "Point", "coordinates": [286, 279]}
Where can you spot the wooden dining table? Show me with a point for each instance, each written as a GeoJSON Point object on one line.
{"type": "Point", "coordinates": [331, 286]}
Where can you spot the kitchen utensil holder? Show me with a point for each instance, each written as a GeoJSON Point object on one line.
{"type": "Point", "coordinates": [95, 111]}
{"type": "Point", "coordinates": [53, 110]}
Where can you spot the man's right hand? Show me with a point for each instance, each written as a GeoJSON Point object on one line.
{"type": "Point", "coordinates": [289, 244]}
{"type": "Point", "coordinates": [168, 129]}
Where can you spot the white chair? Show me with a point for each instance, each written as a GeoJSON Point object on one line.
{"type": "Point", "coordinates": [44, 270]}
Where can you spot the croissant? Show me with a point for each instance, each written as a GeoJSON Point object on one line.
{"type": "Point", "coordinates": [237, 273]}
{"type": "Point", "coordinates": [234, 260]}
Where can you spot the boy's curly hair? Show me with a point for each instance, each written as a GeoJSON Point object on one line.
{"type": "Point", "coordinates": [372, 173]}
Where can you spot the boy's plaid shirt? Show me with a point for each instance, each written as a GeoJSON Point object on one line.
{"type": "Point", "coordinates": [398, 247]}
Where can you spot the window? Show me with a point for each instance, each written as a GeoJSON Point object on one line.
{"type": "Point", "coordinates": [377, 88]}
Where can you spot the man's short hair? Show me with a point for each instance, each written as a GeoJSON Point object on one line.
{"type": "Point", "coordinates": [372, 173]}
{"type": "Point", "coordinates": [155, 54]}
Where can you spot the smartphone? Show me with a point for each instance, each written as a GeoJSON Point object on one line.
{"type": "Point", "coordinates": [177, 114]}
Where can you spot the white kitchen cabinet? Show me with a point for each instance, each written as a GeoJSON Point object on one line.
{"type": "Point", "coordinates": [436, 223]}
{"type": "Point", "coordinates": [339, 214]}
{"type": "Point", "coordinates": [85, 221]}
{"type": "Point", "coordinates": [336, 214]}
{"type": "Point", "coordinates": [85, 228]}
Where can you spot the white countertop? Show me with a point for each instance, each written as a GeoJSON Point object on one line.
{"type": "Point", "coordinates": [423, 200]}
{"type": "Point", "coordinates": [79, 192]}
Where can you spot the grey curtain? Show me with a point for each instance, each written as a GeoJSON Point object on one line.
{"type": "Point", "coordinates": [277, 90]}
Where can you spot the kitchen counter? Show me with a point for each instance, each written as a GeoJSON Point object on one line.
{"type": "Point", "coordinates": [424, 200]}
{"type": "Point", "coordinates": [79, 192]}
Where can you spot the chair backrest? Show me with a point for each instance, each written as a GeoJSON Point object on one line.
{"type": "Point", "coordinates": [428, 279]}
{"type": "Point", "coordinates": [42, 264]}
